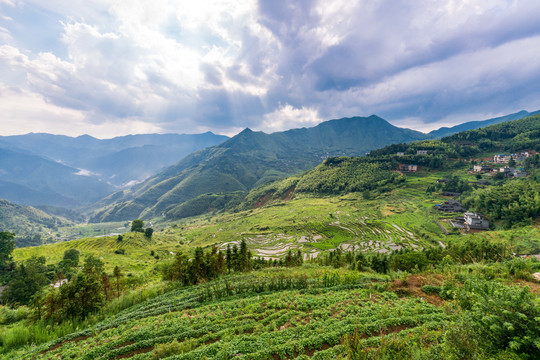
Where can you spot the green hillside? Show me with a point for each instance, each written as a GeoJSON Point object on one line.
{"type": "Point", "coordinates": [248, 160]}
{"type": "Point", "coordinates": [349, 260]}
{"type": "Point", "coordinates": [320, 313]}
{"type": "Point", "coordinates": [31, 225]}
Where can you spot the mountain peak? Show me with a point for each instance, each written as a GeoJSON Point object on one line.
{"type": "Point", "coordinates": [246, 131]}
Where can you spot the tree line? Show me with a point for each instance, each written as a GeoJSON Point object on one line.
{"type": "Point", "coordinates": [207, 265]}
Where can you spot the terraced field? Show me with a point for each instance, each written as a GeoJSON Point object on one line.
{"type": "Point", "coordinates": [264, 315]}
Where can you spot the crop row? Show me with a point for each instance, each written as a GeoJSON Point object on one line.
{"type": "Point", "coordinates": [280, 323]}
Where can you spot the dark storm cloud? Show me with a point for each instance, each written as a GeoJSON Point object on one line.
{"type": "Point", "coordinates": [273, 64]}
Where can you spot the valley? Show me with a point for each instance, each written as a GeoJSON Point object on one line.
{"type": "Point", "coordinates": [350, 259]}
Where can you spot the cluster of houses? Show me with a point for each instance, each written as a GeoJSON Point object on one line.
{"type": "Point", "coordinates": [509, 171]}
{"type": "Point", "coordinates": [504, 159]}
{"type": "Point", "coordinates": [470, 220]}
{"type": "Point", "coordinates": [418, 152]}
{"type": "Point", "coordinates": [408, 167]}
{"type": "Point", "coordinates": [506, 170]}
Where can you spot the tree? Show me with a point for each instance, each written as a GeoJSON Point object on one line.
{"type": "Point", "coordinates": [409, 261]}
{"type": "Point", "coordinates": [7, 245]}
{"type": "Point", "coordinates": [84, 294]}
{"type": "Point", "coordinates": [511, 162]}
{"type": "Point", "coordinates": [137, 225]}
{"type": "Point", "coordinates": [117, 274]}
{"type": "Point", "coordinates": [71, 259]}
{"type": "Point", "coordinates": [148, 232]}
{"type": "Point", "coordinates": [28, 280]}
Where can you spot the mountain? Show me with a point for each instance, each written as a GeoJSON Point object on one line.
{"type": "Point", "coordinates": [250, 159]}
{"type": "Point", "coordinates": [32, 180]}
{"type": "Point", "coordinates": [472, 125]}
{"type": "Point", "coordinates": [118, 161]}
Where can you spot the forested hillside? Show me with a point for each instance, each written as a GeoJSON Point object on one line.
{"type": "Point", "coordinates": [248, 160]}
{"type": "Point", "coordinates": [351, 259]}
{"type": "Point", "coordinates": [30, 224]}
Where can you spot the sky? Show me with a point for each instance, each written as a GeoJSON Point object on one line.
{"type": "Point", "coordinates": [114, 67]}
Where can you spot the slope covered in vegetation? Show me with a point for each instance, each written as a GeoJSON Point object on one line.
{"type": "Point", "coordinates": [248, 160]}
{"type": "Point", "coordinates": [384, 273]}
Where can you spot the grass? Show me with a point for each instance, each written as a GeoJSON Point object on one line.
{"type": "Point", "coordinates": [403, 217]}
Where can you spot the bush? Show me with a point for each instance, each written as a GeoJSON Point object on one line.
{"type": "Point", "coordinates": [410, 261]}
{"type": "Point", "coordinates": [10, 316]}
{"type": "Point", "coordinates": [431, 289]}
{"type": "Point", "coordinates": [166, 350]}
{"type": "Point", "coordinates": [502, 316]}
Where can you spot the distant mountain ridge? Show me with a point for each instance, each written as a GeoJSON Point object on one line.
{"type": "Point", "coordinates": [118, 161]}
{"type": "Point", "coordinates": [473, 125]}
{"type": "Point", "coordinates": [29, 179]}
{"type": "Point", "coordinates": [250, 159]}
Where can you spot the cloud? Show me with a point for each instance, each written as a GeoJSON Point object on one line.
{"type": "Point", "coordinates": [19, 106]}
{"type": "Point", "coordinates": [287, 117]}
{"type": "Point", "coordinates": [184, 66]}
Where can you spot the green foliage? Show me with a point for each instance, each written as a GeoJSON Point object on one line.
{"type": "Point", "coordinates": [477, 250]}
{"type": "Point", "coordinates": [163, 351]}
{"type": "Point", "coordinates": [201, 268]}
{"type": "Point", "coordinates": [204, 203]}
{"type": "Point", "coordinates": [31, 225]}
{"type": "Point", "coordinates": [12, 315]}
{"type": "Point", "coordinates": [70, 259]}
{"type": "Point", "coordinates": [28, 279]}
{"type": "Point", "coordinates": [148, 232]}
{"type": "Point", "coordinates": [505, 137]}
{"type": "Point", "coordinates": [7, 245]}
{"type": "Point", "coordinates": [137, 225]}
{"type": "Point", "coordinates": [410, 261]}
{"type": "Point", "coordinates": [508, 136]}
{"type": "Point", "coordinates": [84, 294]}
{"type": "Point", "coordinates": [503, 317]}
{"type": "Point", "coordinates": [514, 203]}
{"type": "Point", "coordinates": [343, 175]}
{"type": "Point", "coordinates": [455, 184]}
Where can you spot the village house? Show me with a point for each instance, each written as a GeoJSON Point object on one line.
{"type": "Point", "coordinates": [507, 170]}
{"type": "Point", "coordinates": [421, 152]}
{"type": "Point", "coordinates": [520, 173]}
{"type": "Point", "coordinates": [409, 168]}
{"type": "Point", "coordinates": [451, 206]}
{"type": "Point", "coordinates": [501, 159]}
{"type": "Point", "coordinates": [521, 156]}
{"type": "Point", "coordinates": [400, 153]}
{"type": "Point", "coordinates": [451, 193]}
{"type": "Point", "coordinates": [59, 283]}
{"type": "Point", "coordinates": [442, 181]}
{"type": "Point", "coordinates": [481, 168]}
{"type": "Point", "coordinates": [476, 221]}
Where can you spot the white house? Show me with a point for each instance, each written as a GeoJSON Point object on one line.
{"type": "Point", "coordinates": [481, 168]}
{"type": "Point", "coordinates": [476, 221]}
{"type": "Point", "coordinates": [501, 159]}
